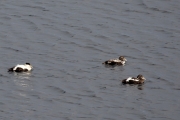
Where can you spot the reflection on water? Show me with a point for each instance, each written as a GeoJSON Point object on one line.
{"type": "Point", "coordinates": [23, 75]}
{"type": "Point", "coordinates": [22, 79]}
{"type": "Point", "coordinates": [68, 41]}
{"type": "Point", "coordinates": [23, 83]}
{"type": "Point", "coordinates": [138, 86]}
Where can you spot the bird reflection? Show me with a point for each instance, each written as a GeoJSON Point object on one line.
{"type": "Point", "coordinates": [139, 87]}
{"type": "Point", "coordinates": [23, 75]}
{"type": "Point", "coordinates": [22, 79]}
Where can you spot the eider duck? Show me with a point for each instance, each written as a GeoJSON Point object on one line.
{"type": "Point", "coordinates": [21, 68]}
{"type": "Point", "coordinates": [132, 80]}
{"type": "Point", "coordinates": [118, 61]}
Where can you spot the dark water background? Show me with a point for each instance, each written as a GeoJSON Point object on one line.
{"type": "Point", "coordinates": [67, 40]}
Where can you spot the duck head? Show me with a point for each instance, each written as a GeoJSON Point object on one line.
{"type": "Point", "coordinates": [122, 58]}
{"type": "Point", "coordinates": [141, 77]}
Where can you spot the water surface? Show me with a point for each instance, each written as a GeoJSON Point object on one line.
{"type": "Point", "coordinates": [66, 42]}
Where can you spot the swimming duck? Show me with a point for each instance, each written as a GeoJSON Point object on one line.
{"type": "Point", "coordinates": [132, 80]}
{"type": "Point", "coordinates": [118, 61]}
{"type": "Point", "coordinates": [21, 68]}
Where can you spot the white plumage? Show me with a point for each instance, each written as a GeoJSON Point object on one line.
{"type": "Point", "coordinates": [21, 68]}
{"type": "Point", "coordinates": [131, 78]}
{"type": "Point", "coordinates": [25, 66]}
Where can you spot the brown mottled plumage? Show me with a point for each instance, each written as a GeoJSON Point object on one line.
{"type": "Point", "coordinates": [120, 61]}
{"type": "Point", "coordinates": [132, 80]}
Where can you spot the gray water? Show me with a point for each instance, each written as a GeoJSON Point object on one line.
{"type": "Point", "coordinates": [66, 41]}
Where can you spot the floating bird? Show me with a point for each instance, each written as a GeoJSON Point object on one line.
{"type": "Point", "coordinates": [21, 68]}
{"type": "Point", "coordinates": [118, 61]}
{"type": "Point", "coordinates": [132, 80]}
